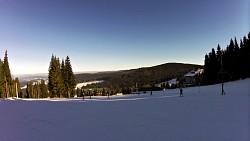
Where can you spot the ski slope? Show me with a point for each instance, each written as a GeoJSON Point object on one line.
{"type": "Point", "coordinates": [203, 114]}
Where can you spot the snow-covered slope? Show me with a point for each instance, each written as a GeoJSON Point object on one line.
{"type": "Point", "coordinates": [203, 114]}
{"type": "Point", "coordinates": [80, 85]}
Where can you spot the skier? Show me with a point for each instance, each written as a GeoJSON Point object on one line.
{"type": "Point", "coordinates": [82, 93]}
{"type": "Point", "coordinates": [151, 93]}
{"type": "Point", "coordinates": [181, 92]}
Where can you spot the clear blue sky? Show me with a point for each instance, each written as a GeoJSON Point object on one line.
{"type": "Point", "coordinates": [104, 35]}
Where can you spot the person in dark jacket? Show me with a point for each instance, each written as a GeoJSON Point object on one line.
{"type": "Point", "coordinates": [181, 92]}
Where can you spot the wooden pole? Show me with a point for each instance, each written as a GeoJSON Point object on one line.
{"type": "Point", "coordinates": [222, 81]}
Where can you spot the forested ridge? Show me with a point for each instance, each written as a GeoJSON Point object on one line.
{"type": "Point", "coordinates": [233, 63]}
{"type": "Point", "coordinates": [142, 77]}
{"type": "Point", "coordinates": [228, 64]}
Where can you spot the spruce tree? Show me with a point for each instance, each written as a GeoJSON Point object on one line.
{"type": "Point", "coordinates": [242, 60]}
{"type": "Point", "coordinates": [70, 80]}
{"type": "Point", "coordinates": [35, 90]}
{"type": "Point", "coordinates": [248, 55]}
{"type": "Point", "coordinates": [60, 83]}
{"type": "Point", "coordinates": [55, 84]}
{"type": "Point", "coordinates": [231, 60]}
{"type": "Point", "coordinates": [43, 89]}
{"type": "Point", "coordinates": [218, 53]}
{"type": "Point", "coordinates": [236, 61]}
{"type": "Point", "coordinates": [16, 88]}
{"type": "Point", "coordinates": [30, 90]}
{"type": "Point", "coordinates": [1, 80]}
{"type": "Point", "coordinates": [7, 76]}
{"type": "Point", "coordinates": [64, 78]}
{"type": "Point", "coordinates": [216, 67]}
{"type": "Point", "coordinates": [236, 67]}
{"type": "Point", "coordinates": [207, 71]}
{"type": "Point", "coordinates": [51, 77]}
{"type": "Point", "coordinates": [27, 90]}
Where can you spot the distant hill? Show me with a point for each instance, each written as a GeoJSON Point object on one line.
{"type": "Point", "coordinates": [142, 76]}
{"type": "Point", "coordinates": [125, 78]}
{"type": "Point", "coordinates": [30, 77]}
{"type": "Point", "coordinates": [26, 78]}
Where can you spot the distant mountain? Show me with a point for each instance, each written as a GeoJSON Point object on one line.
{"type": "Point", "coordinates": [125, 78]}
{"type": "Point", "coordinates": [141, 76]}
{"type": "Point", "coordinates": [25, 78]}
{"type": "Point", "coordinates": [30, 77]}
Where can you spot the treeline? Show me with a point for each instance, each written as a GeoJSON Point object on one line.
{"type": "Point", "coordinates": [233, 62]}
{"type": "Point", "coordinates": [139, 79]}
{"type": "Point", "coordinates": [11, 87]}
{"type": "Point", "coordinates": [82, 92]}
{"type": "Point", "coordinates": [62, 81]}
{"type": "Point", "coordinates": [8, 87]}
{"type": "Point", "coordinates": [37, 90]}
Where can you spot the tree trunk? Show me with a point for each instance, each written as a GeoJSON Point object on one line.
{"type": "Point", "coordinates": [6, 88]}
{"type": "Point", "coordinates": [68, 93]}
{"type": "Point", "coordinates": [16, 90]}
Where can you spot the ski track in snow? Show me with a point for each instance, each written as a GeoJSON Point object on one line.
{"type": "Point", "coordinates": [203, 114]}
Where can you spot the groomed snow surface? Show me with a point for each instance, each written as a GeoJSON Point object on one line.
{"type": "Point", "coordinates": [203, 114]}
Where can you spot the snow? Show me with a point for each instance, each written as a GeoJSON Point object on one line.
{"type": "Point", "coordinates": [194, 73]}
{"type": "Point", "coordinates": [36, 82]}
{"type": "Point", "coordinates": [170, 82]}
{"type": "Point", "coordinates": [203, 114]}
{"type": "Point", "coordinates": [80, 85]}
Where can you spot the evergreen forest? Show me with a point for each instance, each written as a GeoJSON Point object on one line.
{"type": "Point", "coordinates": [142, 79]}
{"type": "Point", "coordinates": [231, 63]}
{"type": "Point", "coordinates": [8, 87]}
{"type": "Point", "coordinates": [220, 65]}
{"type": "Point", "coordinates": [61, 79]}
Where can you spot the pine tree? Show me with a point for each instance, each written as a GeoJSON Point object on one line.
{"type": "Point", "coordinates": [60, 83]}
{"type": "Point", "coordinates": [30, 90]}
{"type": "Point", "coordinates": [70, 80]}
{"type": "Point", "coordinates": [1, 80]}
{"type": "Point", "coordinates": [242, 60]}
{"type": "Point", "coordinates": [218, 53]}
{"type": "Point", "coordinates": [215, 68]}
{"type": "Point", "coordinates": [211, 67]}
{"type": "Point", "coordinates": [44, 90]}
{"type": "Point", "coordinates": [64, 79]}
{"type": "Point", "coordinates": [236, 68]}
{"type": "Point", "coordinates": [37, 90]}
{"type": "Point", "coordinates": [236, 61]}
{"type": "Point", "coordinates": [231, 60]}
{"type": "Point", "coordinates": [7, 76]}
{"type": "Point", "coordinates": [248, 55]}
{"type": "Point", "coordinates": [27, 91]}
{"type": "Point", "coordinates": [51, 77]}
{"type": "Point", "coordinates": [16, 88]}
{"type": "Point", "coordinates": [78, 92]}
{"type": "Point", "coordinates": [55, 85]}
{"type": "Point", "coordinates": [103, 92]}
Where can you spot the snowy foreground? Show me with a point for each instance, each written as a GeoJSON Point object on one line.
{"type": "Point", "coordinates": [203, 114]}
